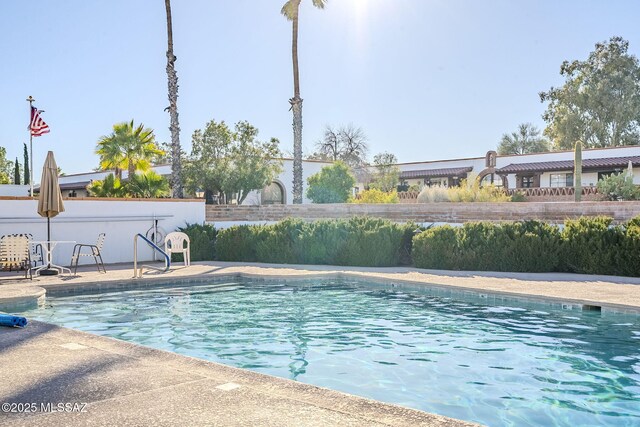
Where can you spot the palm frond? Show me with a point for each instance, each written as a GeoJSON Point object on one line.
{"type": "Point", "coordinates": [290, 9]}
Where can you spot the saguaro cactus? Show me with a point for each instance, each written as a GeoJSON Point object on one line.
{"type": "Point", "coordinates": [577, 171]}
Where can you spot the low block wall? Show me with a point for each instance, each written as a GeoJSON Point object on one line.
{"type": "Point", "coordinates": [84, 219]}
{"type": "Point", "coordinates": [554, 212]}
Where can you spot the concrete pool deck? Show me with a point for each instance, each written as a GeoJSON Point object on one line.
{"type": "Point", "coordinates": [128, 384]}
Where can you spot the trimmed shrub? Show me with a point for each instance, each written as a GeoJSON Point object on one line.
{"type": "Point", "coordinates": [237, 243]}
{"type": "Point", "coordinates": [202, 239]}
{"type": "Point", "coordinates": [436, 248]}
{"type": "Point", "coordinates": [591, 246]}
{"type": "Point", "coordinates": [528, 246]}
{"type": "Point", "coordinates": [360, 241]}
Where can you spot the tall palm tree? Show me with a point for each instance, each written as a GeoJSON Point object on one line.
{"type": "Point", "coordinates": [128, 147]}
{"type": "Point", "coordinates": [290, 11]}
{"type": "Point", "coordinates": [174, 127]}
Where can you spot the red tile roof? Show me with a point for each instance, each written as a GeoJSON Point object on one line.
{"type": "Point", "coordinates": [435, 173]}
{"type": "Point", "coordinates": [561, 165]}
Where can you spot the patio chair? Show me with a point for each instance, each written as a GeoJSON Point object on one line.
{"type": "Point", "coordinates": [175, 242]}
{"type": "Point", "coordinates": [36, 253]}
{"type": "Point", "coordinates": [15, 253]}
{"type": "Point", "coordinates": [95, 253]}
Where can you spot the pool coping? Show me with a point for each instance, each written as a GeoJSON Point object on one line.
{"type": "Point", "coordinates": [24, 295]}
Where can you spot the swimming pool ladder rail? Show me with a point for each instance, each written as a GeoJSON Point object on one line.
{"type": "Point", "coordinates": [137, 273]}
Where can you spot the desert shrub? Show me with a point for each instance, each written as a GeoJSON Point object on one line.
{"type": "Point", "coordinates": [618, 187]}
{"type": "Point", "coordinates": [374, 195]}
{"type": "Point", "coordinates": [237, 243]}
{"type": "Point", "coordinates": [434, 195]}
{"type": "Point", "coordinates": [202, 239]}
{"type": "Point", "coordinates": [591, 246]}
{"type": "Point", "coordinates": [471, 191]}
{"type": "Point", "coordinates": [518, 197]}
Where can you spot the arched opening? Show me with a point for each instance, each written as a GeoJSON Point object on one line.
{"type": "Point", "coordinates": [491, 178]}
{"type": "Point", "coordinates": [273, 194]}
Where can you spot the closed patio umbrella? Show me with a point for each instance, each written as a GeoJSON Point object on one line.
{"type": "Point", "coordinates": [50, 200]}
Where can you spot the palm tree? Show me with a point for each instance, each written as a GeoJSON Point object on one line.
{"type": "Point", "coordinates": [174, 127]}
{"type": "Point", "coordinates": [290, 11]}
{"type": "Point", "coordinates": [127, 147]}
{"type": "Point", "coordinates": [110, 186]}
{"type": "Point", "coordinates": [148, 185]}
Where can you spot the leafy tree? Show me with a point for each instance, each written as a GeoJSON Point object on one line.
{"type": "Point", "coordinates": [147, 184]}
{"type": "Point", "coordinates": [599, 103]}
{"type": "Point", "coordinates": [16, 173]}
{"type": "Point", "coordinates": [110, 186]}
{"type": "Point", "coordinates": [387, 173]}
{"type": "Point", "coordinates": [525, 140]}
{"type": "Point", "coordinates": [27, 175]}
{"type": "Point", "coordinates": [227, 163]}
{"type": "Point", "coordinates": [174, 127]}
{"type": "Point", "coordinates": [346, 143]}
{"type": "Point", "coordinates": [333, 184]}
{"type": "Point", "coordinates": [128, 146]}
{"type": "Point", "coordinates": [291, 10]}
{"type": "Point", "coordinates": [5, 167]}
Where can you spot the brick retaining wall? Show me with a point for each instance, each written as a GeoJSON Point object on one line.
{"type": "Point", "coordinates": [554, 212]}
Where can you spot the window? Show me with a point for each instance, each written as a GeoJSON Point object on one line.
{"type": "Point", "coordinates": [527, 181]}
{"type": "Point", "coordinates": [437, 182]}
{"type": "Point", "coordinates": [604, 174]}
{"type": "Point", "coordinates": [273, 194]}
{"type": "Point", "coordinates": [561, 180]}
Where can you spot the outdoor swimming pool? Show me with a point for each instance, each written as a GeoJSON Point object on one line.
{"type": "Point", "coordinates": [497, 362]}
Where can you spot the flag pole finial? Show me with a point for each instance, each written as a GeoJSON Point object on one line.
{"type": "Point", "coordinates": [30, 98]}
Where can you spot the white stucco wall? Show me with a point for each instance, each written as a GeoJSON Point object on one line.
{"type": "Point", "coordinates": [83, 220]}
{"type": "Point", "coordinates": [11, 190]}
{"type": "Point", "coordinates": [286, 180]}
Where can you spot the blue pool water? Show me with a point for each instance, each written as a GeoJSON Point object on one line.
{"type": "Point", "coordinates": [500, 363]}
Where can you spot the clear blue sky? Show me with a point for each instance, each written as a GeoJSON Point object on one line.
{"type": "Point", "coordinates": [425, 79]}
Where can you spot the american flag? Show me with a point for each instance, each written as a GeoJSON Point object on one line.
{"type": "Point", "coordinates": [37, 125]}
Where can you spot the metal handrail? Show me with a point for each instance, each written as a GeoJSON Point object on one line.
{"type": "Point", "coordinates": [138, 273]}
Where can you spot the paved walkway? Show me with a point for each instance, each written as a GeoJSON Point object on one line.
{"type": "Point", "coordinates": [116, 383]}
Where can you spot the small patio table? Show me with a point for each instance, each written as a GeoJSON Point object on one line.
{"type": "Point", "coordinates": [47, 247]}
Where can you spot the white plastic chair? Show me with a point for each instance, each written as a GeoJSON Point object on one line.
{"type": "Point", "coordinates": [174, 243]}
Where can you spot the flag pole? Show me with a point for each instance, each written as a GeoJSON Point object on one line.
{"type": "Point", "coordinates": [30, 99]}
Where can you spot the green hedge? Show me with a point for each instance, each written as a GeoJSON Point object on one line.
{"type": "Point", "coordinates": [202, 238]}
{"type": "Point", "coordinates": [360, 241]}
{"type": "Point", "coordinates": [585, 245]}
